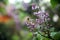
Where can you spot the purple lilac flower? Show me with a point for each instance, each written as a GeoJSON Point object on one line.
{"type": "Point", "coordinates": [38, 21]}
{"type": "Point", "coordinates": [33, 6]}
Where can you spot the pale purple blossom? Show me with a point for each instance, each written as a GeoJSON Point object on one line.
{"type": "Point", "coordinates": [34, 6]}
{"type": "Point", "coordinates": [11, 12]}
{"type": "Point", "coordinates": [9, 9]}
{"type": "Point", "coordinates": [25, 6]}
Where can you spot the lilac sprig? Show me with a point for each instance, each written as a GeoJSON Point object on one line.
{"type": "Point", "coordinates": [42, 21]}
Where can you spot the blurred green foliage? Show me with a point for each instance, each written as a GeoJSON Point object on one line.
{"type": "Point", "coordinates": [54, 3]}
{"type": "Point", "coordinates": [57, 36]}
{"type": "Point", "coordinates": [4, 1]}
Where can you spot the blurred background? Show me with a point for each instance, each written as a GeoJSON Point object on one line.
{"type": "Point", "coordinates": [29, 19]}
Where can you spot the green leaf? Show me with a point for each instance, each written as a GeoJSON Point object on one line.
{"type": "Point", "coordinates": [57, 36]}
{"type": "Point", "coordinates": [54, 2]}
{"type": "Point", "coordinates": [15, 37]}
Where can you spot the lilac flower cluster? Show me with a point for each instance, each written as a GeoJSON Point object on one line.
{"type": "Point", "coordinates": [41, 22]}
{"type": "Point", "coordinates": [42, 16]}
